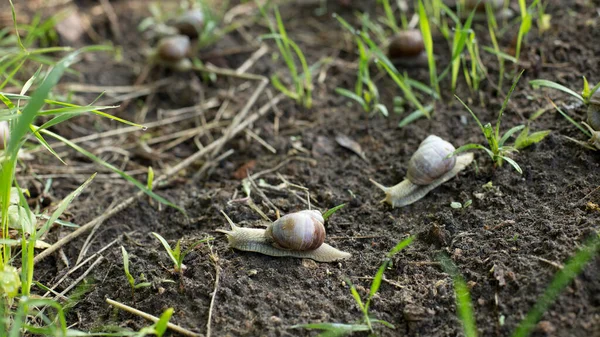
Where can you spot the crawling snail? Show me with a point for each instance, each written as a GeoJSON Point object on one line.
{"type": "Point", "coordinates": [3, 134]}
{"type": "Point", "coordinates": [190, 23]}
{"type": "Point", "coordinates": [407, 48]}
{"type": "Point", "coordinates": [428, 168]}
{"type": "Point", "coordinates": [300, 234]}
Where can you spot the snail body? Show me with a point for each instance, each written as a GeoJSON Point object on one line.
{"type": "Point", "coordinates": [429, 167]}
{"type": "Point", "coordinates": [593, 111]}
{"type": "Point", "coordinates": [407, 48]}
{"type": "Point", "coordinates": [4, 134]}
{"type": "Point", "coordinates": [300, 235]}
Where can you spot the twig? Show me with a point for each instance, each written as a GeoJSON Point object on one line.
{"type": "Point", "coordinates": [215, 260]}
{"type": "Point", "coordinates": [554, 264]}
{"type": "Point", "coordinates": [80, 265]}
{"type": "Point", "coordinates": [211, 103]}
{"type": "Point", "coordinates": [174, 170]}
{"type": "Point", "coordinates": [149, 317]}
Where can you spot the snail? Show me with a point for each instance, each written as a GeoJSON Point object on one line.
{"type": "Point", "coordinates": [300, 234]}
{"type": "Point", "coordinates": [429, 167]}
{"type": "Point", "coordinates": [190, 23]}
{"type": "Point", "coordinates": [4, 132]}
{"type": "Point", "coordinates": [479, 5]}
{"type": "Point", "coordinates": [173, 48]}
{"type": "Point", "coordinates": [593, 111]}
{"type": "Point", "coordinates": [407, 48]}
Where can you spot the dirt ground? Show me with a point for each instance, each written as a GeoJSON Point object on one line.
{"type": "Point", "coordinates": [507, 244]}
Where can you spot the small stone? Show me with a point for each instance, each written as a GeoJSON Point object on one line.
{"type": "Point", "coordinates": [252, 272]}
{"type": "Point", "coordinates": [309, 264]}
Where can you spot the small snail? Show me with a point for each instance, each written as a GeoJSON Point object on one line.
{"type": "Point", "coordinates": [428, 168]}
{"type": "Point", "coordinates": [479, 5]}
{"type": "Point", "coordinates": [173, 48]}
{"type": "Point", "coordinates": [4, 133]}
{"type": "Point", "coordinates": [190, 23]}
{"type": "Point", "coordinates": [300, 234]}
{"type": "Point", "coordinates": [407, 48]}
{"type": "Point", "coordinates": [593, 111]}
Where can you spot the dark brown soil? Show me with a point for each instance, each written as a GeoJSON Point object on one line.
{"type": "Point", "coordinates": [507, 244]}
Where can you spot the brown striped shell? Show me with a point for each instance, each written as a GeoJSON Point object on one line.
{"type": "Point", "coordinates": [173, 48]}
{"type": "Point", "coordinates": [406, 43]}
{"type": "Point", "coordinates": [301, 231]}
{"type": "Point", "coordinates": [190, 23]}
{"type": "Point", "coordinates": [430, 161]}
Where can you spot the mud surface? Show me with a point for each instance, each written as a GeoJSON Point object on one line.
{"type": "Point", "coordinates": [507, 244]}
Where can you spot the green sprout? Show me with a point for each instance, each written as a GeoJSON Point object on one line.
{"type": "Point", "coordinates": [572, 268]}
{"type": "Point", "coordinates": [328, 213]}
{"type": "Point", "coordinates": [497, 150]}
{"type": "Point", "coordinates": [130, 277]}
{"type": "Point", "coordinates": [464, 306]}
{"type": "Point", "coordinates": [459, 43]}
{"type": "Point", "coordinates": [302, 87]}
{"type": "Point", "coordinates": [159, 328]}
{"type": "Point", "coordinates": [176, 254]}
{"type": "Point", "coordinates": [584, 97]}
{"type": "Point", "coordinates": [428, 42]}
{"type": "Point", "coordinates": [365, 91]}
{"type": "Point", "coordinates": [366, 324]}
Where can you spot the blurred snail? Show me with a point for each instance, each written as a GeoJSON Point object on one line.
{"type": "Point", "coordinates": [300, 234]}
{"type": "Point", "coordinates": [593, 111]}
{"type": "Point", "coordinates": [407, 48]}
{"type": "Point", "coordinates": [428, 168]}
{"type": "Point", "coordinates": [4, 132]}
{"type": "Point", "coordinates": [173, 48]}
{"type": "Point", "coordinates": [479, 5]}
{"type": "Point", "coordinates": [190, 23]}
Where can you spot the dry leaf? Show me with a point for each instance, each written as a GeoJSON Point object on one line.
{"type": "Point", "coordinates": [345, 141]}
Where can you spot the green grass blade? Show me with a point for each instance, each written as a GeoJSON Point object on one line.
{"type": "Point", "coordinates": [472, 114]}
{"type": "Point", "coordinates": [400, 246]}
{"type": "Point", "coordinates": [513, 164]}
{"type": "Point", "coordinates": [545, 83]}
{"type": "Point", "coordinates": [505, 103]}
{"type": "Point", "coordinates": [351, 95]}
{"type": "Point", "coordinates": [509, 133]}
{"type": "Point", "coordinates": [377, 279]}
{"type": "Point", "coordinates": [167, 247]}
{"type": "Point", "coordinates": [124, 175]}
{"type": "Point", "coordinates": [29, 113]}
{"type": "Point", "coordinates": [428, 42]}
{"type": "Point", "coordinates": [356, 296]}
{"type": "Point", "coordinates": [332, 210]}
{"type": "Point", "coordinates": [464, 306]}
{"type": "Point", "coordinates": [572, 268]}
{"type": "Point", "coordinates": [130, 278]}
{"type": "Point", "coordinates": [162, 323]}
{"type": "Point", "coordinates": [571, 120]}
{"type": "Point", "coordinates": [468, 147]}
{"type": "Point", "coordinates": [62, 206]}
{"type": "Point", "coordinates": [463, 297]}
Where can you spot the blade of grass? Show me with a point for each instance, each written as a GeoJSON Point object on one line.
{"type": "Point", "coordinates": [505, 103]}
{"type": "Point", "coordinates": [564, 277]}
